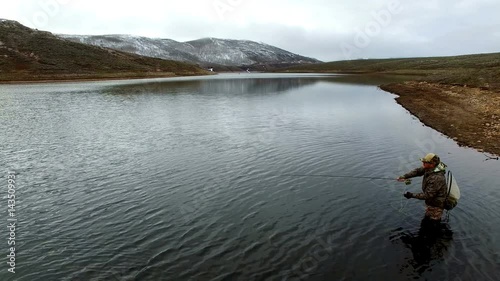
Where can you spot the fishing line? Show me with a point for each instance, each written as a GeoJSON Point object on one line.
{"type": "Point", "coordinates": [402, 206]}
{"type": "Point", "coordinates": [336, 176]}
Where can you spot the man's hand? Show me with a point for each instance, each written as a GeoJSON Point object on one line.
{"type": "Point", "coordinates": [401, 179]}
{"type": "Point", "coordinates": [408, 195]}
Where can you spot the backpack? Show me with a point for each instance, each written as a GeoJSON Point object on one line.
{"type": "Point", "coordinates": [452, 192]}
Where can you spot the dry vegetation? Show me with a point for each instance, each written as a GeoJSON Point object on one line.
{"type": "Point", "coordinates": [482, 70]}
{"type": "Point", "coordinates": [27, 54]}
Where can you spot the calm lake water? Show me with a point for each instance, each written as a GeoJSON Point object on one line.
{"type": "Point", "coordinates": [197, 179]}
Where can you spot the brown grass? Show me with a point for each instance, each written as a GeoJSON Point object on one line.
{"type": "Point", "coordinates": [27, 54]}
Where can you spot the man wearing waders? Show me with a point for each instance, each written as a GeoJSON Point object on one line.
{"type": "Point", "coordinates": [433, 186]}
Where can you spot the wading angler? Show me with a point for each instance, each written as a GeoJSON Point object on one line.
{"type": "Point", "coordinates": [435, 191]}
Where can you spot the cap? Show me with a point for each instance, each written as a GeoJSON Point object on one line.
{"type": "Point", "coordinates": [431, 158]}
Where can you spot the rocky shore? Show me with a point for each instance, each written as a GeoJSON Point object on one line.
{"type": "Point", "coordinates": [470, 116]}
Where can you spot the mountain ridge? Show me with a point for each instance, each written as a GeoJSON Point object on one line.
{"type": "Point", "coordinates": [207, 51]}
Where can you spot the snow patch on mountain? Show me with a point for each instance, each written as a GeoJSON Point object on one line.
{"type": "Point", "coordinates": [206, 51]}
{"type": "Point", "coordinates": [144, 46]}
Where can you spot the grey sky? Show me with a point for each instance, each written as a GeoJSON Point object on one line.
{"type": "Point", "coordinates": [324, 29]}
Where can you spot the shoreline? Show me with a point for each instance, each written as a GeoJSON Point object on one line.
{"type": "Point", "coordinates": [92, 78]}
{"type": "Point", "coordinates": [469, 116]}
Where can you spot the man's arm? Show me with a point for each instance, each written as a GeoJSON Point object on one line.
{"type": "Point", "coordinates": [415, 173]}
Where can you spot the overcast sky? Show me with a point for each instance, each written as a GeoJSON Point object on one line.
{"type": "Point", "coordinates": [324, 29]}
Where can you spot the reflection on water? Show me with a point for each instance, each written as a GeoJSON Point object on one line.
{"type": "Point", "coordinates": [245, 85]}
{"type": "Point", "coordinates": [429, 246]}
{"type": "Point", "coordinates": [182, 179]}
{"type": "Point", "coordinates": [233, 86]}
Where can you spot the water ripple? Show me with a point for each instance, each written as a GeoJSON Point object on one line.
{"type": "Point", "coordinates": [162, 186]}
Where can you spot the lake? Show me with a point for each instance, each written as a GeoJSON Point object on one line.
{"type": "Point", "coordinates": [212, 178]}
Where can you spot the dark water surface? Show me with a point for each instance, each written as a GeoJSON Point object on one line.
{"type": "Point", "coordinates": [184, 179]}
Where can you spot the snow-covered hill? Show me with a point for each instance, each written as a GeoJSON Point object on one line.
{"type": "Point", "coordinates": [204, 51]}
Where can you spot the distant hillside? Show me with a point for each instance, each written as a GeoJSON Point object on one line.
{"type": "Point", "coordinates": [208, 52]}
{"type": "Point", "coordinates": [28, 54]}
{"type": "Point", "coordinates": [481, 70]}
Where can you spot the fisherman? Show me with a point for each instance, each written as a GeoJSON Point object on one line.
{"type": "Point", "coordinates": [433, 186]}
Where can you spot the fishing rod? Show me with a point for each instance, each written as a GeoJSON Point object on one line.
{"type": "Point", "coordinates": [407, 181]}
